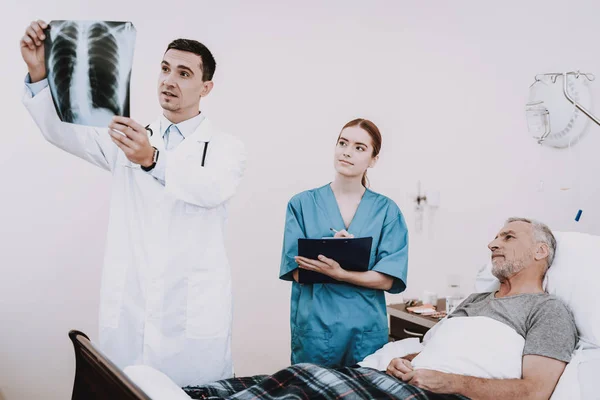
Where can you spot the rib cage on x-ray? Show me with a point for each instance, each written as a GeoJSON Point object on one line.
{"type": "Point", "coordinates": [89, 69]}
{"type": "Point", "coordinates": [61, 62]}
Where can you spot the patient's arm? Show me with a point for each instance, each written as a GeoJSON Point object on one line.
{"type": "Point", "coordinates": [540, 376]}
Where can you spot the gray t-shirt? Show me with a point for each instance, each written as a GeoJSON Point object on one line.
{"type": "Point", "coordinates": [541, 319]}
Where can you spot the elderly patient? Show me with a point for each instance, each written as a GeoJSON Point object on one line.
{"type": "Point", "coordinates": [528, 335]}
{"type": "Point", "coordinates": [510, 344]}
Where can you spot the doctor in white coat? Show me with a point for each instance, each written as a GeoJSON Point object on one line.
{"type": "Point", "coordinates": [166, 285]}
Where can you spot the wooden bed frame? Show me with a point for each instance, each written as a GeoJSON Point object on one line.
{"type": "Point", "coordinates": [96, 377]}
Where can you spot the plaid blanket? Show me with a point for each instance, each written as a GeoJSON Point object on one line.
{"type": "Point", "coordinates": [309, 381]}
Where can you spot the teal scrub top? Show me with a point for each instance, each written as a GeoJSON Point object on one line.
{"type": "Point", "coordinates": [339, 324]}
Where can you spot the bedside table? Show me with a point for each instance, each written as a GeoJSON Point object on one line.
{"type": "Point", "coordinates": [404, 325]}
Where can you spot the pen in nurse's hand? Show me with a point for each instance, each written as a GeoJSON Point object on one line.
{"type": "Point", "coordinates": [335, 231]}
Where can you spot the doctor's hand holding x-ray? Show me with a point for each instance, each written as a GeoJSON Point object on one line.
{"type": "Point", "coordinates": [32, 50]}
{"type": "Point", "coordinates": [165, 298]}
{"type": "Point", "coordinates": [132, 139]}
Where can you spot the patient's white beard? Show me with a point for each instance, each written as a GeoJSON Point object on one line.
{"type": "Point", "coordinates": [507, 269]}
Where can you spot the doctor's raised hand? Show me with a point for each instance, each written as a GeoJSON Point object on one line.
{"type": "Point", "coordinates": [32, 50]}
{"type": "Point", "coordinates": [132, 139]}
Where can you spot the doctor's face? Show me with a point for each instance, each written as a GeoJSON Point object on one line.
{"type": "Point", "coordinates": [353, 152]}
{"type": "Point", "coordinates": [180, 84]}
{"type": "Point", "coordinates": [512, 249]}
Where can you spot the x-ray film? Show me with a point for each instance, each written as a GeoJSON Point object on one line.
{"type": "Point", "coordinates": [89, 69]}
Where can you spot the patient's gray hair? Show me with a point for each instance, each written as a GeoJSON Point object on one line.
{"type": "Point", "coordinates": [541, 234]}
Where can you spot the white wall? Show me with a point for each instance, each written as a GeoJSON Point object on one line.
{"type": "Point", "coordinates": [445, 81]}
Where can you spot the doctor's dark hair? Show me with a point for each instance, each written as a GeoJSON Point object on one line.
{"type": "Point", "coordinates": [209, 65]}
{"type": "Point", "coordinates": [373, 131]}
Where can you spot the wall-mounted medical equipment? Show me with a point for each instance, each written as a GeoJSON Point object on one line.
{"type": "Point", "coordinates": [557, 110]}
{"type": "Point", "coordinates": [429, 200]}
{"type": "Point", "coordinates": [558, 113]}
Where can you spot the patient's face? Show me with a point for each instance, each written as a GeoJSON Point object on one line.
{"type": "Point", "coordinates": [512, 249]}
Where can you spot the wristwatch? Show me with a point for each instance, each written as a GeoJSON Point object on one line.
{"type": "Point", "coordinates": [154, 160]}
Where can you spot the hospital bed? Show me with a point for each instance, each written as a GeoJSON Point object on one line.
{"type": "Point", "coordinates": [574, 277]}
{"type": "Point", "coordinates": [96, 377]}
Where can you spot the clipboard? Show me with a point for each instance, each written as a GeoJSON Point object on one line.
{"type": "Point", "coordinates": [353, 254]}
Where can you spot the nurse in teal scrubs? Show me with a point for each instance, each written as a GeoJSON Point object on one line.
{"type": "Point", "coordinates": [339, 324]}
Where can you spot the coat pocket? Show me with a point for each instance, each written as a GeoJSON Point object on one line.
{"type": "Point", "coordinates": [208, 305]}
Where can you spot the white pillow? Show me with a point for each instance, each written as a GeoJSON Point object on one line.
{"type": "Point", "coordinates": [578, 381]}
{"type": "Point", "coordinates": [485, 281]}
{"type": "Point", "coordinates": [574, 277]}
{"type": "Point", "coordinates": [154, 383]}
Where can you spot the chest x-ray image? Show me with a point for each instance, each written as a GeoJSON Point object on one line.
{"type": "Point", "coordinates": [89, 69]}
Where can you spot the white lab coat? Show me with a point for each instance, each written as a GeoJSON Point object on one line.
{"type": "Point", "coordinates": [166, 287]}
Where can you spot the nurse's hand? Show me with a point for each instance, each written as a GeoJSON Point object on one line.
{"type": "Point", "coordinates": [399, 367]}
{"type": "Point", "coordinates": [32, 50]}
{"type": "Point", "coordinates": [343, 234]}
{"type": "Point", "coordinates": [133, 141]}
{"type": "Point", "coordinates": [324, 265]}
